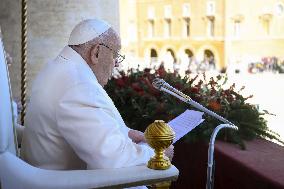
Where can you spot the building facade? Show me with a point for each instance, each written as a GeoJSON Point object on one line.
{"type": "Point", "coordinates": [214, 33]}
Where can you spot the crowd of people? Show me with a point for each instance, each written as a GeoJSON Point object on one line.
{"type": "Point", "coordinates": [188, 65]}
{"type": "Point", "coordinates": [267, 64]}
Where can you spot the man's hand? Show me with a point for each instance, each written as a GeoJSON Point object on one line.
{"type": "Point", "coordinates": [136, 136]}
{"type": "Point", "coordinates": [169, 152]}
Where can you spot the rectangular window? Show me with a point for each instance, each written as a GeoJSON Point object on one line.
{"type": "Point", "coordinates": [237, 28]}
{"type": "Point", "coordinates": [210, 27]}
{"type": "Point", "coordinates": [151, 28]}
{"type": "Point", "coordinates": [186, 10]}
{"type": "Point", "coordinates": [132, 32]}
{"type": "Point", "coordinates": [168, 28]}
{"type": "Point", "coordinates": [210, 10]}
{"type": "Point", "coordinates": [266, 25]}
{"type": "Point", "coordinates": [168, 12]}
{"type": "Point", "coordinates": [186, 27]}
{"type": "Point", "coordinates": [151, 13]}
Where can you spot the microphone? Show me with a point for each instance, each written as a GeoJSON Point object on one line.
{"type": "Point", "coordinates": [161, 85]}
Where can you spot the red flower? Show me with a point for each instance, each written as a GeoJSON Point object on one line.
{"type": "Point", "coordinates": [136, 87]}
{"type": "Point", "coordinates": [230, 98]}
{"type": "Point", "coordinates": [152, 90]}
{"type": "Point", "coordinates": [215, 106]}
{"type": "Point", "coordinates": [147, 70]}
{"type": "Point", "coordinates": [178, 86]}
{"type": "Point", "coordinates": [146, 81]}
{"type": "Point", "coordinates": [140, 93]}
{"type": "Point", "coordinates": [227, 92]}
{"type": "Point", "coordinates": [120, 82]}
{"type": "Point", "coordinates": [160, 108]}
{"type": "Point", "coordinates": [125, 78]}
{"type": "Point", "coordinates": [197, 98]}
{"type": "Point", "coordinates": [161, 71]}
{"type": "Point", "coordinates": [194, 90]}
{"type": "Point", "coordinates": [213, 92]}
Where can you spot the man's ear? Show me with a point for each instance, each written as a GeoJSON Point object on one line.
{"type": "Point", "coordinates": [94, 54]}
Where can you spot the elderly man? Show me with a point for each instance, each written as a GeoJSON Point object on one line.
{"type": "Point", "coordinates": [71, 122]}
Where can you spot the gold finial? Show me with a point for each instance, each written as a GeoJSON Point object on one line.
{"type": "Point", "coordinates": [159, 136]}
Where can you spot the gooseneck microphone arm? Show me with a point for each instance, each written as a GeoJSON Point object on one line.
{"type": "Point", "coordinates": [161, 85]}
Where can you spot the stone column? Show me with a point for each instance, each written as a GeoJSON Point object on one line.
{"type": "Point", "coordinates": [10, 19]}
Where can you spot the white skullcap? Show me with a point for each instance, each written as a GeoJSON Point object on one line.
{"type": "Point", "coordinates": [87, 30]}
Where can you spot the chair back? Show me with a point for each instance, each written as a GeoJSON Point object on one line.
{"type": "Point", "coordinates": [7, 130]}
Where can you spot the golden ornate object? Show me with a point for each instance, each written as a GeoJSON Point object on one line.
{"type": "Point", "coordinates": [24, 61]}
{"type": "Point", "coordinates": [159, 136]}
{"type": "Point", "coordinates": [162, 185]}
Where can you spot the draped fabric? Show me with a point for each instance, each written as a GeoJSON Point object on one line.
{"type": "Point", "coordinates": [259, 166]}
{"type": "Point", "coordinates": [8, 141]}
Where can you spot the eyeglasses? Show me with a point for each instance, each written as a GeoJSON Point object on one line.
{"type": "Point", "coordinates": [116, 56]}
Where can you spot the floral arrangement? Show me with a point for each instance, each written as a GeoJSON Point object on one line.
{"type": "Point", "coordinates": [140, 104]}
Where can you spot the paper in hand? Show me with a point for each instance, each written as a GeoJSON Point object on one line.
{"type": "Point", "coordinates": [185, 122]}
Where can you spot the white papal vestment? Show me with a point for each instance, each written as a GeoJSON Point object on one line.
{"type": "Point", "coordinates": [71, 123]}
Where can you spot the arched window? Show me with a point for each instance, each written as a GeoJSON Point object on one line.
{"type": "Point", "coordinates": [153, 53]}
{"type": "Point", "coordinates": [188, 52]}
{"type": "Point", "coordinates": [153, 56]}
{"type": "Point", "coordinates": [171, 51]}
{"type": "Point", "coordinates": [209, 58]}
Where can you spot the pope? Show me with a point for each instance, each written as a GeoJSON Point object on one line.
{"type": "Point", "coordinates": [71, 122]}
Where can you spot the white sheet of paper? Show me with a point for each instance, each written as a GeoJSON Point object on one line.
{"type": "Point", "coordinates": [185, 122]}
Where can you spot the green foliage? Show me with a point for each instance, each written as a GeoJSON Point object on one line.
{"type": "Point", "coordinates": [140, 104]}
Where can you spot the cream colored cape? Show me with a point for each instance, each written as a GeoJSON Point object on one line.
{"type": "Point", "coordinates": [71, 122]}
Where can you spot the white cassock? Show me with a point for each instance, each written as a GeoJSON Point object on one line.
{"type": "Point", "coordinates": [71, 123]}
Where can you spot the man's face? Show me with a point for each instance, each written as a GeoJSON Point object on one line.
{"type": "Point", "coordinates": [106, 59]}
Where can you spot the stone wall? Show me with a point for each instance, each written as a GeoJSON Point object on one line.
{"type": "Point", "coordinates": [49, 26]}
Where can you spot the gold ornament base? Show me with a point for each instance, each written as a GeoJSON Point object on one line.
{"type": "Point", "coordinates": [159, 164]}
{"type": "Point", "coordinates": [162, 185]}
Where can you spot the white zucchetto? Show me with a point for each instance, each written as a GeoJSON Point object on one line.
{"type": "Point", "coordinates": [87, 30]}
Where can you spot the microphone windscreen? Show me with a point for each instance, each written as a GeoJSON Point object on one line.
{"type": "Point", "coordinates": [158, 83]}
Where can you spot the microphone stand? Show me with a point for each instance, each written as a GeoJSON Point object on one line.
{"type": "Point", "coordinates": [161, 85]}
{"type": "Point", "coordinates": [211, 162]}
